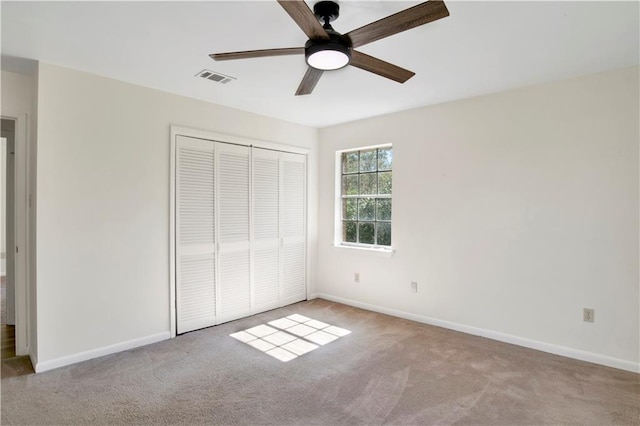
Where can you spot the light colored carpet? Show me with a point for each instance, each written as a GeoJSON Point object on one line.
{"type": "Point", "coordinates": [387, 371]}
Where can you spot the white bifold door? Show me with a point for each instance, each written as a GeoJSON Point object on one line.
{"type": "Point", "coordinates": [234, 234]}
{"type": "Point", "coordinates": [279, 243]}
{"type": "Point", "coordinates": [195, 234]}
{"type": "Point", "coordinates": [240, 231]}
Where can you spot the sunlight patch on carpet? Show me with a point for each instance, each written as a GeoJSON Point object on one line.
{"type": "Point", "coordinates": [290, 337]}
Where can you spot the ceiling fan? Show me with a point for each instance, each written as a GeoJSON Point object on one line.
{"type": "Point", "coordinates": [328, 50]}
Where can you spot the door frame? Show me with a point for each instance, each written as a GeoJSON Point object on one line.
{"type": "Point", "coordinates": [214, 137]}
{"type": "Point", "coordinates": [21, 231]}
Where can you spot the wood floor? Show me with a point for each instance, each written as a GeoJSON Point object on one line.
{"type": "Point", "coordinates": [8, 335]}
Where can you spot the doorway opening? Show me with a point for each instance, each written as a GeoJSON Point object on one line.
{"type": "Point", "coordinates": [7, 258]}
{"type": "Point", "coordinates": [13, 326]}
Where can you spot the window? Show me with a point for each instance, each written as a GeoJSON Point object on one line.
{"type": "Point", "coordinates": [365, 179]}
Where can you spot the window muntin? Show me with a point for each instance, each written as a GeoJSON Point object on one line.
{"type": "Point", "coordinates": [366, 186]}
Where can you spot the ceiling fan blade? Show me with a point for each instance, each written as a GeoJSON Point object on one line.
{"type": "Point", "coordinates": [405, 20]}
{"type": "Point", "coordinates": [304, 17]}
{"type": "Point", "coordinates": [257, 53]}
{"type": "Point", "coordinates": [380, 67]}
{"type": "Point", "coordinates": [309, 81]}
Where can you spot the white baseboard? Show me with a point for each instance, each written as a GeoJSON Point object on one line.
{"type": "Point", "coordinates": [95, 353]}
{"type": "Point", "coordinates": [494, 335]}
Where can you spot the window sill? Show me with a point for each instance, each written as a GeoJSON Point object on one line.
{"type": "Point", "coordinates": [382, 252]}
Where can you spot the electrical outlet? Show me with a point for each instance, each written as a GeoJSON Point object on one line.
{"type": "Point", "coordinates": [588, 315]}
{"type": "Point", "coordinates": [414, 287]}
{"type": "Point", "coordinates": [356, 277]}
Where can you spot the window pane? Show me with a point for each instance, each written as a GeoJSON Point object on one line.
{"type": "Point", "coordinates": [350, 185]}
{"type": "Point", "coordinates": [350, 162]}
{"type": "Point", "coordinates": [367, 209]}
{"type": "Point", "coordinates": [350, 209]}
{"type": "Point", "coordinates": [368, 161]}
{"type": "Point", "coordinates": [384, 182]}
{"type": "Point", "coordinates": [384, 234]}
{"type": "Point", "coordinates": [367, 233]}
{"type": "Point", "coordinates": [368, 184]}
{"type": "Point", "coordinates": [384, 209]}
{"type": "Point", "coordinates": [366, 187]}
{"type": "Point", "coordinates": [385, 159]}
{"type": "Point", "coordinates": [349, 232]}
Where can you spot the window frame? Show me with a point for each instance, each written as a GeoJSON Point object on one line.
{"type": "Point", "coordinates": [338, 221]}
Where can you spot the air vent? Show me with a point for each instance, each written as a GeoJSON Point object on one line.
{"type": "Point", "coordinates": [215, 76]}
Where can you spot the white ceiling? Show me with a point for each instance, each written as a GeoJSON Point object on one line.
{"type": "Point", "coordinates": [482, 47]}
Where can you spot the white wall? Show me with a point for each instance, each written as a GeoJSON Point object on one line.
{"type": "Point", "coordinates": [512, 211]}
{"type": "Point", "coordinates": [16, 94]}
{"type": "Point", "coordinates": [32, 290]}
{"type": "Point", "coordinates": [103, 207]}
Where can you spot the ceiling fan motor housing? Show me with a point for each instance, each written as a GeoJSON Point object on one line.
{"type": "Point", "coordinates": [336, 49]}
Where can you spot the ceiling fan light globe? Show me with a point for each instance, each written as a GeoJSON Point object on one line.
{"type": "Point", "coordinates": [327, 60]}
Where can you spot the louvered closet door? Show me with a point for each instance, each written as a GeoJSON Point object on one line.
{"type": "Point", "coordinates": [233, 189]}
{"type": "Point", "coordinates": [195, 234]}
{"type": "Point", "coordinates": [266, 230]}
{"type": "Point", "coordinates": [293, 173]}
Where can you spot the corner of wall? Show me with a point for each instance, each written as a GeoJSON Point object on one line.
{"type": "Point", "coordinates": [313, 176]}
{"type": "Point", "coordinates": [32, 163]}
